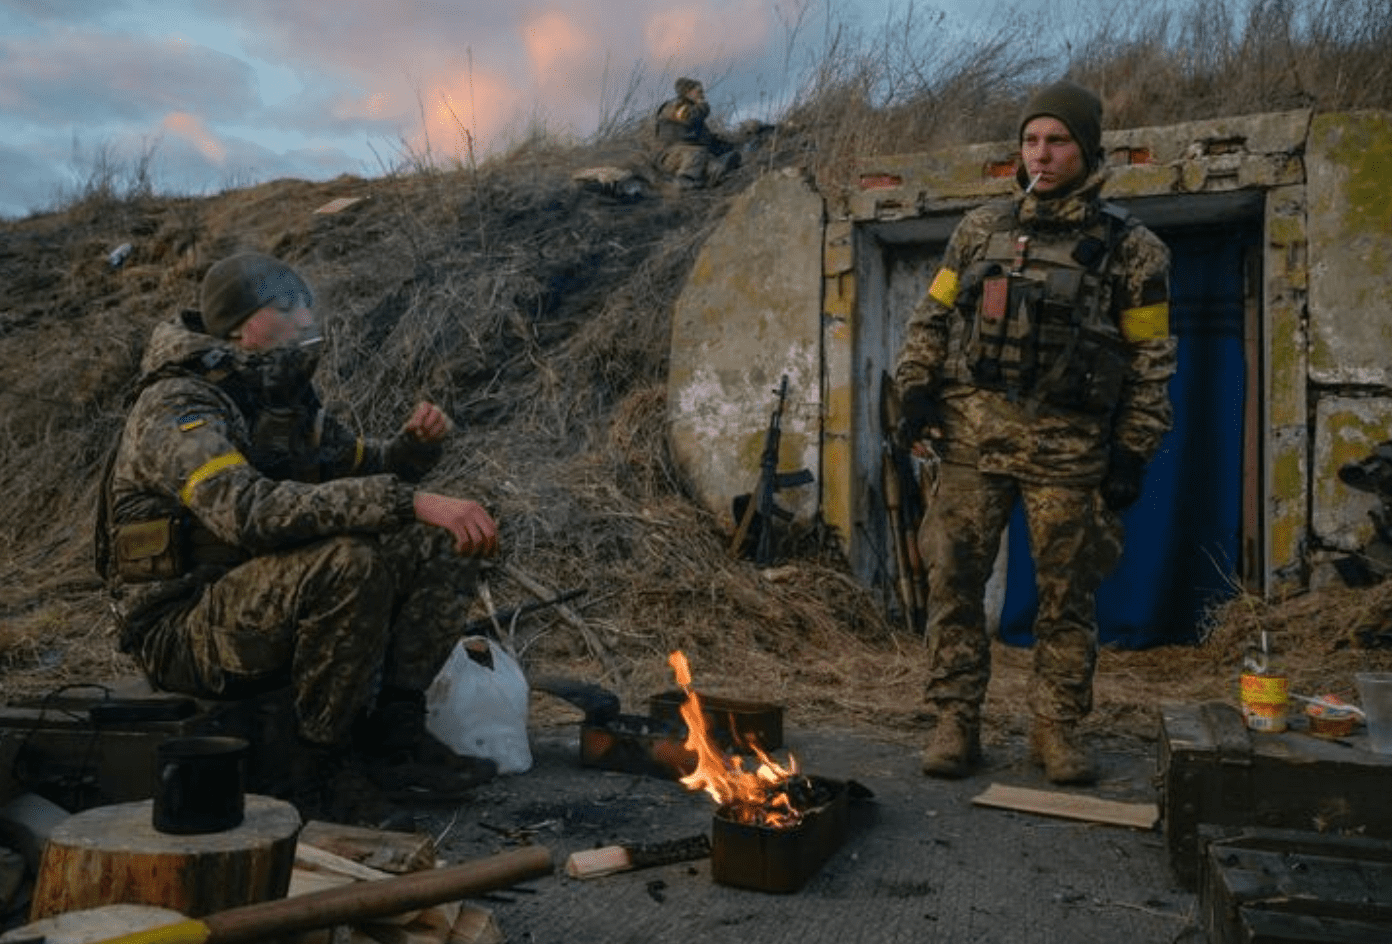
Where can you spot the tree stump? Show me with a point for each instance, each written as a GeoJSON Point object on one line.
{"type": "Point", "coordinates": [113, 854]}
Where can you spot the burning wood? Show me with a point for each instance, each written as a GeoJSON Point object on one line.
{"type": "Point", "coordinates": [772, 794]}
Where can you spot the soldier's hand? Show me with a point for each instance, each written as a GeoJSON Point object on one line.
{"type": "Point", "coordinates": [428, 423]}
{"type": "Point", "coordinates": [922, 414]}
{"type": "Point", "coordinates": [1122, 484]}
{"type": "Point", "coordinates": [475, 532]}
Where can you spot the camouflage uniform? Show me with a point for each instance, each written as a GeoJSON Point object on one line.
{"type": "Point", "coordinates": [1010, 436]}
{"type": "Point", "coordinates": [688, 149]}
{"type": "Point", "coordinates": [251, 541]}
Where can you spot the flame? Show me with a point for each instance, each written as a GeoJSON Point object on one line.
{"type": "Point", "coordinates": [758, 797]}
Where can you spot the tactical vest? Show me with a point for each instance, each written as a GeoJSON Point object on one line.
{"type": "Point", "coordinates": [1036, 321]}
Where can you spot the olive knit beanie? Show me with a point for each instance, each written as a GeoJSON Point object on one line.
{"type": "Point", "coordinates": [1077, 108]}
{"type": "Point", "coordinates": [237, 287]}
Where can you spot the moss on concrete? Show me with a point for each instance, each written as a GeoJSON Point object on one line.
{"type": "Point", "coordinates": [1362, 144]}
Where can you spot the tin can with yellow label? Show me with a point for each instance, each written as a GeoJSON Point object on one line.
{"type": "Point", "coordinates": [1264, 701]}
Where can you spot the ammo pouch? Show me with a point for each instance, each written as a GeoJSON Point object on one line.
{"type": "Point", "coordinates": [164, 548]}
{"type": "Point", "coordinates": [1034, 338]}
{"type": "Point", "coordinates": [150, 550]}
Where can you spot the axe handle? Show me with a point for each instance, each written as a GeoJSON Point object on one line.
{"type": "Point", "coordinates": [351, 904]}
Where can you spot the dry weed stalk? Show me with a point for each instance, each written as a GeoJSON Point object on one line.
{"type": "Point", "coordinates": [539, 316]}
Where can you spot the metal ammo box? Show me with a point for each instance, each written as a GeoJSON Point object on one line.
{"type": "Point", "coordinates": [91, 745]}
{"type": "Point", "coordinates": [1218, 778]}
{"type": "Point", "coordinates": [1273, 886]}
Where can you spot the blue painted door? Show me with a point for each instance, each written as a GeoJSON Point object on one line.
{"type": "Point", "coordinates": [1183, 536]}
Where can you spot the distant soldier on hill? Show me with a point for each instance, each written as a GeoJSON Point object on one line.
{"type": "Point", "coordinates": [1038, 364]}
{"type": "Point", "coordinates": [688, 149]}
{"type": "Point", "coordinates": [251, 542]}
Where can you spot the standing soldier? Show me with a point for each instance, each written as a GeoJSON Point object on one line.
{"type": "Point", "coordinates": [1038, 363]}
{"type": "Point", "coordinates": [252, 542]}
{"type": "Point", "coordinates": [688, 149]}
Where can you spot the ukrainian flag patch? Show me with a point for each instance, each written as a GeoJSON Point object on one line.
{"type": "Point", "coordinates": [191, 422]}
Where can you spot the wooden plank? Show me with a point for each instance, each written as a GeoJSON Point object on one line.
{"type": "Point", "coordinates": [475, 925]}
{"type": "Point", "coordinates": [312, 857]}
{"type": "Point", "coordinates": [1069, 806]}
{"type": "Point", "coordinates": [387, 850]}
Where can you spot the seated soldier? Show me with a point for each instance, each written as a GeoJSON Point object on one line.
{"type": "Point", "coordinates": [251, 541]}
{"type": "Point", "coordinates": [688, 149]}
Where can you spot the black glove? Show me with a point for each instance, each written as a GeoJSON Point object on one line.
{"type": "Point", "coordinates": [1121, 486]}
{"type": "Point", "coordinates": [920, 411]}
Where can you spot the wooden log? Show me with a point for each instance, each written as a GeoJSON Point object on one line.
{"type": "Point", "coordinates": [113, 854]}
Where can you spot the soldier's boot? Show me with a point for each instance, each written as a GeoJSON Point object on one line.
{"type": "Point", "coordinates": [327, 784]}
{"type": "Point", "coordinates": [1059, 748]}
{"type": "Point", "coordinates": [954, 747]}
{"type": "Point", "coordinates": [407, 761]}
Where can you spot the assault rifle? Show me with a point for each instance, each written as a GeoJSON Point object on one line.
{"type": "Point", "coordinates": [760, 504]}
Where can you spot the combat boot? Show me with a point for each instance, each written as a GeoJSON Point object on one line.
{"type": "Point", "coordinates": [326, 784]}
{"type": "Point", "coordinates": [1057, 746]}
{"type": "Point", "coordinates": [955, 747]}
{"type": "Point", "coordinates": [406, 761]}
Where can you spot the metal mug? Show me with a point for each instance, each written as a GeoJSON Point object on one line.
{"type": "Point", "coordinates": [200, 784]}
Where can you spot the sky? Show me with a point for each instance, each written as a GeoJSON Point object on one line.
{"type": "Point", "coordinates": [216, 94]}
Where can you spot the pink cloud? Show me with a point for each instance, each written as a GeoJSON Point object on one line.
{"type": "Point", "coordinates": [191, 129]}
{"type": "Point", "coordinates": [555, 44]}
{"type": "Point", "coordinates": [459, 108]}
{"type": "Point", "coordinates": [699, 33]}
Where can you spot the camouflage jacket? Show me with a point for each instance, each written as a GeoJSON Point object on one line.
{"type": "Point", "coordinates": [1044, 442]}
{"type": "Point", "coordinates": [681, 121]}
{"type": "Point", "coordinates": [189, 489]}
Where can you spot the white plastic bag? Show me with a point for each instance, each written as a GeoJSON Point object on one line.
{"type": "Point", "coordinates": [480, 711]}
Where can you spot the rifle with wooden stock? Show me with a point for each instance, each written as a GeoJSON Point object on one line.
{"type": "Point", "coordinates": [761, 503]}
{"type": "Point", "coordinates": [903, 497]}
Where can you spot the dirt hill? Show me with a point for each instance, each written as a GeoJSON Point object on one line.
{"type": "Point", "coordinates": [536, 311]}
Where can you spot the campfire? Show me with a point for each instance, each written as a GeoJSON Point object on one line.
{"type": "Point", "coordinates": [773, 826]}
{"type": "Point", "coordinates": [764, 796]}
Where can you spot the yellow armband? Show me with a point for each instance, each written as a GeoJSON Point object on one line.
{"type": "Point", "coordinates": [1147, 323]}
{"type": "Point", "coordinates": [944, 288]}
{"type": "Point", "coordinates": [209, 469]}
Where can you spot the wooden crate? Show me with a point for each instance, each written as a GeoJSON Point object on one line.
{"type": "Point", "coordinates": [1217, 777]}
{"type": "Point", "coordinates": [1285, 886]}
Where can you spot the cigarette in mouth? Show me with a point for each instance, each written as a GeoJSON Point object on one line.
{"type": "Point", "coordinates": [1034, 180]}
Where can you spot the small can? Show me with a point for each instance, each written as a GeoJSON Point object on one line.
{"type": "Point", "coordinates": [1264, 701]}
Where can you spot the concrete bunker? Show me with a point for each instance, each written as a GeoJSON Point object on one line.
{"type": "Point", "coordinates": [1281, 230]}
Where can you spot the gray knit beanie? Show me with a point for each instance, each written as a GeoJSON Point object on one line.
{"type": "Point", "coordinates": [239, 286]}
{"type": "Point", "coordinates": [1077, 108]}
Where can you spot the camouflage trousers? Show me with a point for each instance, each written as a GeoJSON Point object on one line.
{"type": "Point", "coordinates": [1075, 541]}
{"type": "Point", "coordinates": [696, 165]}
{"type": "Point", "coordinates": [337, 619]}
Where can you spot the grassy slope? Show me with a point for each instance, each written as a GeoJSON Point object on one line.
{"type": "Point", "coordinates": [537, 313]}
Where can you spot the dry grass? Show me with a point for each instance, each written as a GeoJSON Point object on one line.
{"type": "Point", "coordinates": [538, 315]}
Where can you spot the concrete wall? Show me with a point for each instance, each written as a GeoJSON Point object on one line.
{"type": "Point", "coordinates": [1321, 187]}
{"type": "Point", "coordinates": [1349, 161]}
{"type": "Point", "coordinates": [749, 314]}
